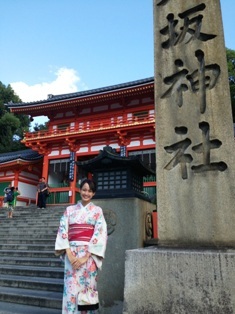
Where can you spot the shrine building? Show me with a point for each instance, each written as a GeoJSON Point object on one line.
{"type": "Point", "coordinates": [80, 125]}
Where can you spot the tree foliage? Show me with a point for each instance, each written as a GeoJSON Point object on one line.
{"type": "Point", "coordinates": [231, 75]}
{"type": "Point", "coordinates": [39, 127]}
{"type": "Point", "coordinates": [12, 127]}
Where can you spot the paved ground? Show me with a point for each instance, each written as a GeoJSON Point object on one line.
{"type": "Point", "coordinates": [12, 308]}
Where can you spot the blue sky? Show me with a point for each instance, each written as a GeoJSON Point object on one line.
{"type": "Point", "coordinates": [63, 46]}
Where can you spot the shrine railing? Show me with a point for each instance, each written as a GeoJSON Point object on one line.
{"type": "Point", "coordinates": [90, 126]}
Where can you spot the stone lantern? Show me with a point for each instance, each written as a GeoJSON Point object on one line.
{"type": "Point", "coordinates": [117, 176]}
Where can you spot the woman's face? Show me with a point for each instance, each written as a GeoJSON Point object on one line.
{"type": "Point", "coordinates": [86, 194]}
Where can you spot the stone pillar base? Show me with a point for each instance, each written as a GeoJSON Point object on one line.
{"type": "Point", "coordinates": [126, 220]}
{"type": "Point", "coordinates": [179, 281]}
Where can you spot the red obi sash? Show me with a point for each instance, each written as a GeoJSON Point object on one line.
{"type": "Point", "coordinates": [80, 232]}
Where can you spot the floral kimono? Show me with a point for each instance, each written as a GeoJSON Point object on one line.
{"type": "Point", "coordinates": [82, 229]}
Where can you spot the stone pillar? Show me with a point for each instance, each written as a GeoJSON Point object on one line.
{"type": "Point", "coordinates": [193, 269]}
{"type": "Point", "coordinates": [194, 129]}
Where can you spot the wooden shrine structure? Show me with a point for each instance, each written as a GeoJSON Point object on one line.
{"type": "Point", "coordinates": [80, 124]}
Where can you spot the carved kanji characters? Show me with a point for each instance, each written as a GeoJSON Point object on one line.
{"type": "Point", "coordinates": [204, 149]}
{"type": "Point", "coordinates": [178, 82]}
{"type": "Point", "coordinates": [202, 79]}
{"type": "Point", "coordinates": [190, 29]}
{"type": "Point", "coordinates": [179, 158]}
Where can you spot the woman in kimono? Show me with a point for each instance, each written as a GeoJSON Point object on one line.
{"type": "Point", "coordinates": [82, 237]}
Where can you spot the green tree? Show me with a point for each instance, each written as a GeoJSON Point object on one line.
{"type": "Point", "coordinates": [39, 127]}
{"type": "Point", "coordinates": [231, 75]}
{"type": "Point", "coordinates": [12, 127]}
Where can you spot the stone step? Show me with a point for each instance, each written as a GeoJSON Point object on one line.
{"type": "Point", "coordinates": [21, 232]}
{"type": "Point", "coordinates": [12, 229]}
{"type": "Point", "coordinates": [33, 231]}
{"type": "Point", "coordinates": [19, 224]}
{"type": "Point", "coordinates": [15, 224]}
{"type": "Point", "coordinates": [4, 221]}
{"type": "Point", "coordinates": [22, 235]}
{"type": "Point", "coordinates": [30, 274]}
{"type": "Point", "coordinates": [25, 253]}
{"type": "Point", "coordinates": [26, 240]}
{"type": "Point", "coordinates": [39, 298]}
{"type": "Point", "coordinates": [28, 221]}
{"type": "Point", "coordinates": [31, 214]}
{"type": "Point", "coordinates": [16, 308]}
{"type": "Point", "coordinates": [34, 271]}
{"type": "Point", "coordinates": [34, 283]}
{"type": "Point", "coordinates": [31, 247]}
{"type": "Point", "coordinates": [29, 209]}
{"type": "Point", "coordinates": [16, 221]}
{"type": "Point", "coordinates": [30, 261]}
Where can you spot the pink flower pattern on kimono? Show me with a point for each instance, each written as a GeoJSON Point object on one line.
{"type": "Point", "coordinates": [94, 241]}
{"type": "Point", "coordinates": [92, 268]}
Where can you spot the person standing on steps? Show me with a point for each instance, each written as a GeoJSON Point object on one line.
{"type": "Point", "coordinates": [81, 239]}
{"type": "Point", "coordinates": [11, 196]}
{"type": "Point", "coordinates": [6, 190]}
{"type": "Point", "coordinates": [42, 189]}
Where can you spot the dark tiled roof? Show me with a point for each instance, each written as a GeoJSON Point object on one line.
{"type": "Point", "coordinates": [27, 155]}
{"type": "Point", "coordinates": [108, 158]}
{"type": "Point", "coordinates": [52, 98]}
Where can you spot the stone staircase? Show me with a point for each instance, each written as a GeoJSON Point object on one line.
{"type": "Point", "coordinates": [31, 276]}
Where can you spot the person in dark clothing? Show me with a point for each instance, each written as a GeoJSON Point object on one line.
{"type": "Point", "coordinates": [12, 202]}
{"type": "Point", "coordinates": [6, 190]}
{"type": "Point", "coordinates": [42, 189]}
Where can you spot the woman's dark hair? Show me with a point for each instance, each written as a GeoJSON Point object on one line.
{"type": "Point", "coordinates": [91, 183]}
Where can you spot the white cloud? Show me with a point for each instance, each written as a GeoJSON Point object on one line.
{"type": "Point", "coordinates": [66, 81]}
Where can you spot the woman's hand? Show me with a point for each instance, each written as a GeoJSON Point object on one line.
{"type": "Point", "coordinates": [84, 259]}
{"type": "Point", "coordinates": [75, 261]}
{"type": "Point", "coordinates": [70, 256]}
{"type": "Point", "coordinates": [78, 262]}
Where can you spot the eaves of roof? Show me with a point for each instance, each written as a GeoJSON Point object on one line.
{"type": "Point", "coordinates": [24, 155]}
{"type": "Point", "coordinates": [56, 98]}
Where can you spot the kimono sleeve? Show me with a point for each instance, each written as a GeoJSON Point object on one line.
{"type": "Point", "coordinates": [97, 245]}
{"type": "Point", "coordinates": [62, 241]}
